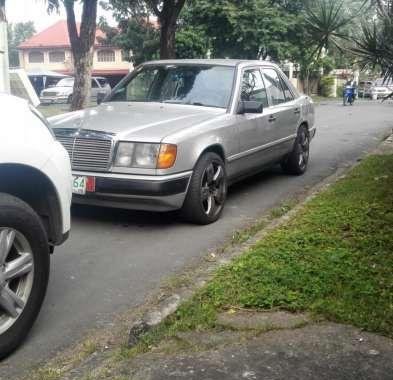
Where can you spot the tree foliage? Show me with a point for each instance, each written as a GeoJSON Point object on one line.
{"type": "Point", "coordinates": [166, 11]}
{"type": "Point", "coordinates": [17, 33]}
{"type": "Point", "coordinates": [249, 29]}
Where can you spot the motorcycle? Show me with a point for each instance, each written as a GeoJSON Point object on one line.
{"type": "Point", "coordinates": [349, 95]}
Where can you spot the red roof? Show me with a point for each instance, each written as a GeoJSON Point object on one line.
{"type": "Point", "coordinates": [54, 36]}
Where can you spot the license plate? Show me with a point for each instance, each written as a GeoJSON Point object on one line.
{"type": "Point", "coordinates": [79, 185]}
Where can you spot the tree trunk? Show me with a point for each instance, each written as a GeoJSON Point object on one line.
{"type": "Point", "coordinates": [167, 41]}
{"type": "Point", "coordinates": [4, 75]}
{"type": "Point", "coordinates": [167, 17]}
{"type": "Point", "coordinates": [83, 64]}
{"type": "Point", "coordinates": [2, 11]}
{"type": "Point", "coordinates": [82, 47]}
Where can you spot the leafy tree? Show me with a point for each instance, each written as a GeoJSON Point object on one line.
{"type": "Point", "coordinates": [17, 33]}
{"type": "Point", "coordinates": [249, 29]}
{"type": "Point", "coordinates": [191, 42]}
{"type": "Point", "coordinates": [82, 45]}
{"type": "Point", "coordinates": [140, 38]}
{"type": "Point", "coordinates": [166, 11]}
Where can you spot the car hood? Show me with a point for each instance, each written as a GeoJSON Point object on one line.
{"type": "Point", "coordinates": [58, 89]}
{"type": "Point", "coordinates": [136, 121]}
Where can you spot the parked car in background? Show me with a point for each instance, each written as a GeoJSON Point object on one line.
{"type": "Point", "coordinates": [35, 199]}
{"type": "Point", "coordinates": [174, 134]}
{"type": "Point", "coordinates": [379, 89]}
{"type": "Point", "coordinates": [62, 92]}
{"type": "Point", "coordinates": [364, 87]}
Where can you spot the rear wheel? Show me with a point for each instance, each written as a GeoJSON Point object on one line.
{"type": "Point", "coordinates": [207, 191]}
{"type": "Point", "coordinates": [296, 162]}
{"type": "Point", "coordinates": [24, 270]}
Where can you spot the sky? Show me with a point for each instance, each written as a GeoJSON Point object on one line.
{"type": "Point", "coordinates": [35, 10]}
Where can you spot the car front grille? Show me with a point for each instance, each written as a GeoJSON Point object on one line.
{"type": "Point", "coordinates": [87, 153]}
{"type": "Point", "coordinates": [48, 93]}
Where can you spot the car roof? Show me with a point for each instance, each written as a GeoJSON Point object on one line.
{"type": "Point", "coordinates": [217, 62]}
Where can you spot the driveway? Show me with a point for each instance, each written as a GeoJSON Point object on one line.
{"type": "Point", "coordinates": [114, 258]}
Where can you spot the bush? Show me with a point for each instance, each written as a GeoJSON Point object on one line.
{"type": "Point", "coordinates": [327, 83]}
{"type": "Point", "coordinates": [339, 91]}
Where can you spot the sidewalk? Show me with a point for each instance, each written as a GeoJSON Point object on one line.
{"type": "Point", "coordinates": [318, 351]}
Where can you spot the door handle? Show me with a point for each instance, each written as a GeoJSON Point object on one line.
{"type": "Point", "coordinates": [297, 111]}
{"type": "Point", "coordinates": [272, 118]}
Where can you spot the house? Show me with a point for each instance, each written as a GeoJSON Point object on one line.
{"type": "Point", "coordinates": [51, 50]}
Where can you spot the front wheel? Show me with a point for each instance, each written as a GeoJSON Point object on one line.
{"type": "Point", "coordinates": [297, 161]}
{"type": "Point", "coordinates": [24, 270]}
{"type": "Point", "coordinates": [207, 191]}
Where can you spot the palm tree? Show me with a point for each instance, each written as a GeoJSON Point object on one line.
{"type": "Point", "coordinates": [375, 46]}
{"type": "Point", "coordinates": [325, 22]}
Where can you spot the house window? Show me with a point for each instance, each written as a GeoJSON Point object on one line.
{"type": "Point", "coordinates": [57, 56]}
{"type": "Point", "coordinates": [36, 57]}
{"type": "Point", "coordinates": [125, 55]}
{"type": "Point", "coordinates": [106, 56]}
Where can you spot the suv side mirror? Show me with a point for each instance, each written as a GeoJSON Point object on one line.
{"type": "Point", "coordinates": [249, 106]}
{"type": "Point", "coordinates": [100, 97]}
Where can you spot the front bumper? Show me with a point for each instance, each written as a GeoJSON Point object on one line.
{"type": "Point", "coordinates": [54, 99]}
{"type": "Point", "coordinates": [150, 193]}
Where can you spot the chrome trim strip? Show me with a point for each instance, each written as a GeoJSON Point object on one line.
{"type": "Point", "coordinates": [261, 147]}
{"type": "Point", "coordinates": [153, 178]}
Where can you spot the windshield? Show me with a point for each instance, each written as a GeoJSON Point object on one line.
{"type": "Point", "coordinates": [65, 82]}
{"type": "Point", "coordinates": [201, 85]}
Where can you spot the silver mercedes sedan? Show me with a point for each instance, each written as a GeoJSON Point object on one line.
{"type": "Point", "coordinates": [174, 134]}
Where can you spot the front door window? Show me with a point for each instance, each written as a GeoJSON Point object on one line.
{"type": "Point", "coordinates": [253, 87]}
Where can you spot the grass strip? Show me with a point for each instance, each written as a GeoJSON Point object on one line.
{"type": "Point", "coordinates": [334, 258]}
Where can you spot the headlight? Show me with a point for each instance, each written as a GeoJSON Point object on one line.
{"type": "Point", "coordinates": [148, 156]}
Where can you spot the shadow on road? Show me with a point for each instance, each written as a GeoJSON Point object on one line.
{"type": "Point", "coordinates": [126, 218]}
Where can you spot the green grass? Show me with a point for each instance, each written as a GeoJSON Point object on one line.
{"type": "Point", "coordinates": [334, 259]}
{"type": "Point", "coordinates": [53, 109]}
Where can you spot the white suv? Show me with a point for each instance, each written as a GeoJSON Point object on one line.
{"type": "Point", "coordinates": [35, 199]}
{"type": "Point", "coordinates": [62, 92]}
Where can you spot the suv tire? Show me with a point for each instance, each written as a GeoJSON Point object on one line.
{"type": "Point", "coordinates": [207, 190]}
{"type": "Point", "coordinates": [22, 230]}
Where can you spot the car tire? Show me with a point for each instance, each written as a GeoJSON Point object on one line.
{"type": "Point", "coordinates": [207, 190]}
{"type": "Point", "coordinates": [24, 270]}
{"type": "Point", "coordinates": [297, 161]}
{"type": "Point", "coordinates": [69, 99]}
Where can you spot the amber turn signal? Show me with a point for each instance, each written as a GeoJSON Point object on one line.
{"type": "Point", "coordinates": [167, 156]}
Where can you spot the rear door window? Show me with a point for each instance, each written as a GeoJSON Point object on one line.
{"type": "Point", "coordinates": [273, 86]}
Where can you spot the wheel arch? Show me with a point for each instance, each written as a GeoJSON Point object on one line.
{"type": "Point", "coordinates": [215, 148]}
{"type": "Point", "coordinates": [304, 123]}
{"type": "Point", "coordinates": [37, 190]}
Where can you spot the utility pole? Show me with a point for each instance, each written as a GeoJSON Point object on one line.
{"type": "Point", "coordinates": [4, 74]}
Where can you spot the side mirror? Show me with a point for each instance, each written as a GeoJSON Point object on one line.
{"type": "Point", "coordinates": [100, 97]}
{"type": "Point", "coordinates": [249, 106]}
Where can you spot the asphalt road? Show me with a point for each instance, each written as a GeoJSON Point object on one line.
{"type": "Point", "coordinates": [114, 258]}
